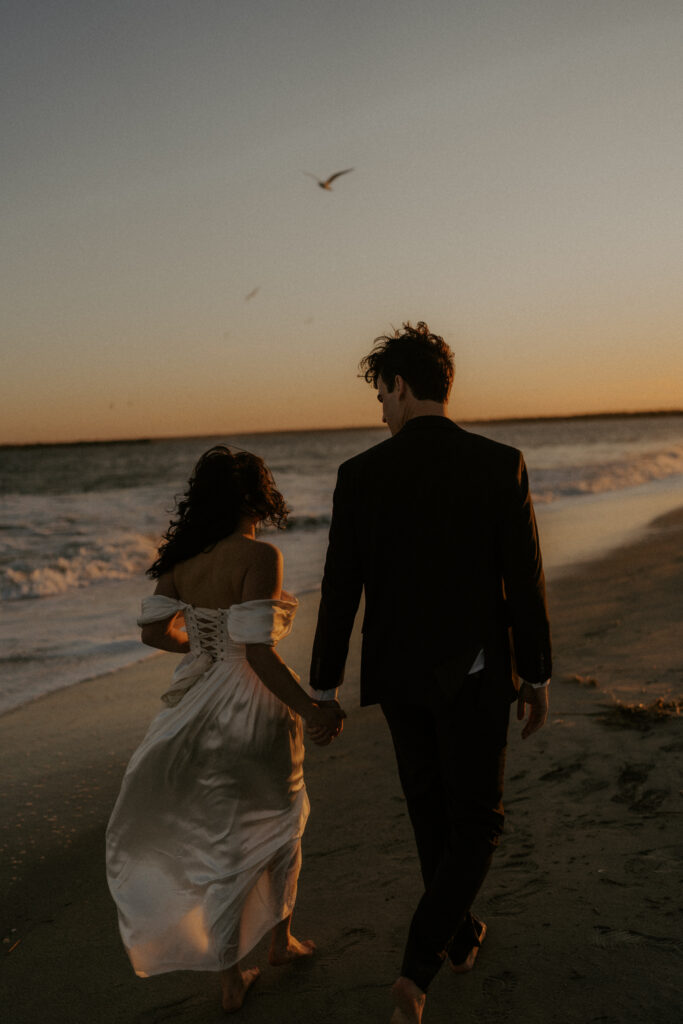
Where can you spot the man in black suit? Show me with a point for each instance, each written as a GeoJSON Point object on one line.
{"type": "Point", "coordinates": [436, 525]}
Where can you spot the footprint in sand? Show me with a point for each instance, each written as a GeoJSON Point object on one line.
{"type": "Point", "coordinates": [630, 792]}
{"type": "Point", "coordinates": [563, 771]}
{"type": "Point", "coordinates": [661, 860]}
{"type": "Point", "coordinates": [160, 1014]}
{"type": "Point", "coordinates": [632, 776]}
{"type": "Point", "coordinates": [650, 801]}
{"type": "Point", "coordinates": [497, 990]}
{"type": "Point", "coordinates": [612, 938]}
{"type": "Point", "coordinates": [348, 939]}
{"type": "Point", "coordinates": [514, 901]}
{"type": "Point", "coordinates": [589, 786]}
{"type": "Point", "coordinates": [318, 854]}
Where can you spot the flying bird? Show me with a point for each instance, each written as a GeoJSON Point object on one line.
{"type": "Point", "coordinates": [327, 184]}
{"type": "Point", "coordinates": [252, 293]}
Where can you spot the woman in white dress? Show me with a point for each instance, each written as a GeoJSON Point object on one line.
{"type": "Point", "coordinates": [204, 843]}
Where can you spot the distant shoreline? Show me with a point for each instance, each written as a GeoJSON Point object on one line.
{"type": "Point", "coordinates": [645, 414]}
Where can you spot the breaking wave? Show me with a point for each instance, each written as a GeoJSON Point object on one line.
{"type": "Point", "coordinates": [113, 561]}
{"type": "Point", "coordinates": [615, 475]}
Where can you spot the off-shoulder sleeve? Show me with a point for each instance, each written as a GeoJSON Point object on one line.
{"type": "Point", "coordinates": [157, 607]}
{"type": "Point", "coordinates": [261, 622]}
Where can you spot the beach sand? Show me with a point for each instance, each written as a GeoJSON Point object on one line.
{"type": "Point", "coordinates": [581, 901]}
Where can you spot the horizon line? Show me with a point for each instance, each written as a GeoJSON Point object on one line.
{"type": "Point", "coordinates": [320, 430]}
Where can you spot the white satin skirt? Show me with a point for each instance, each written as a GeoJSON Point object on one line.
{"type": "Point", "coordinates": [204, 843]}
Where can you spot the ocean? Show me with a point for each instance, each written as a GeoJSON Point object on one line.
{"type": "Point", "coordinates": [79, 523]}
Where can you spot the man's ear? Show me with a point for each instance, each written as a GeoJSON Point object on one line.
{"type": "Point", "coordinates": [400, 386]}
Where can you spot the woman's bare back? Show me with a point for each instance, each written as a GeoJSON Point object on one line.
{"type": "Point", "coordinates": [237, 569]}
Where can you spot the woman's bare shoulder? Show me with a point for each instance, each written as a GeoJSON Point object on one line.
{"type": "Point", "coordinates": [246, 549]}
{"type": "Point", "coordinates": [166, 585]}
{"type": "Point", "coordinates": [263, 578]}
{"type": "Point", "coordinates": [266, 551]}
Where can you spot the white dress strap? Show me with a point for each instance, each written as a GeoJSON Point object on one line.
{"type": "Point", "coordinates": [262, 621]}
{"type": "Point", "coordinates": [157, 607]}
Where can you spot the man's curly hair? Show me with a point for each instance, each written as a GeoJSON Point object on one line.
{"type": "Point", "coordinates": [423, 359]}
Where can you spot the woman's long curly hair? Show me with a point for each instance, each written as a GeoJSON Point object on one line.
{"type": "Point", "coordinates": [224, 486]}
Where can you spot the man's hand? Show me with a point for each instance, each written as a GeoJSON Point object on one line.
{"type": "Point", "coordinates": [537, 699]}
{"type": "Point", "coordinates": [325, 722]}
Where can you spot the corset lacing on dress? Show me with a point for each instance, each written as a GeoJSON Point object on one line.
{"type": "Point", "coordinates": [207, 631]}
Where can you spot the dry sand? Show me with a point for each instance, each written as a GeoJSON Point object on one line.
{"type": "Point", "coordinates": [582, 901]}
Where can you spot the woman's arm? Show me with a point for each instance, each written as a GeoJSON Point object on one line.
{"type": "Point", "coordinates": [264, 581]}
{"type": "Point", "coordinates": [276, 676]}
{"type": "Point", "coordinates": [167, 634]}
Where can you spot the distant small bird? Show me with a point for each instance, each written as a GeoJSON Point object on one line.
{"type": "Point", "coordinates": [252, 293]}
{"type": "Point", "coordinates": [327, 184]}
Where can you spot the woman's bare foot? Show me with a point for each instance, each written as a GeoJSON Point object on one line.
{"type": "Point", "coordinates": [409, 1002]}
{"type": "Point", "coordinates": [279, 954]}
{"type": "Point", "coordinates": [284, 948]}
{"type": "Point", "coordinates": [235, 983]}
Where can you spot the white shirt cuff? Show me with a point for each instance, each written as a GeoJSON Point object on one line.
{"type": "Point", "coordinates": [477, 664]}
{"type": "Point", "coordinates": [323, 694]}
{"type": "Point", "coordinates": [536, 686]}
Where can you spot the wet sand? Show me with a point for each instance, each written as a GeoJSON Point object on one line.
{"type": "Point", "coordinates": [581, 902]}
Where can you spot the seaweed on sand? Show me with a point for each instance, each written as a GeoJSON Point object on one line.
{"type": "Point", "coordinates": [641, 716]}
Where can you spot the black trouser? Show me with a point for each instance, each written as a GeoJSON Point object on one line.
{"type": "Point", "coordinates": [451, 758]}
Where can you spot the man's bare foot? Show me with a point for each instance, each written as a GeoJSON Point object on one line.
{"type": "Point", "coordinates": [287, 952]}
{"type": "Point", "coordinates": [409, 1002]}
{"type": "Point", "coordinates": [467, 963]}
{"type": "Point", "coordinates": [235, 983]}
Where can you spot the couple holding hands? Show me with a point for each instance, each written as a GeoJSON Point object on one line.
{"type": "Point", "coordinates": [436, 527]}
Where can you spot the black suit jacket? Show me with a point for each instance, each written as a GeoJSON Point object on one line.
{"type": "Point", "coordinates": [437, 526]}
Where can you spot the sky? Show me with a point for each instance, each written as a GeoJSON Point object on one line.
{"type": "Point", "coordinates": [516, 183]}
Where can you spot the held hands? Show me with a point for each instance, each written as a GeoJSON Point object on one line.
{"type": "Point", "coordinates": [325, 722]}
{"type": "Point", "coordinates": [537, 699]}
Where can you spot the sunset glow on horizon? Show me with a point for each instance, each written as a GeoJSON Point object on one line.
{"type": "Point", "coordinates": [170, 269]}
